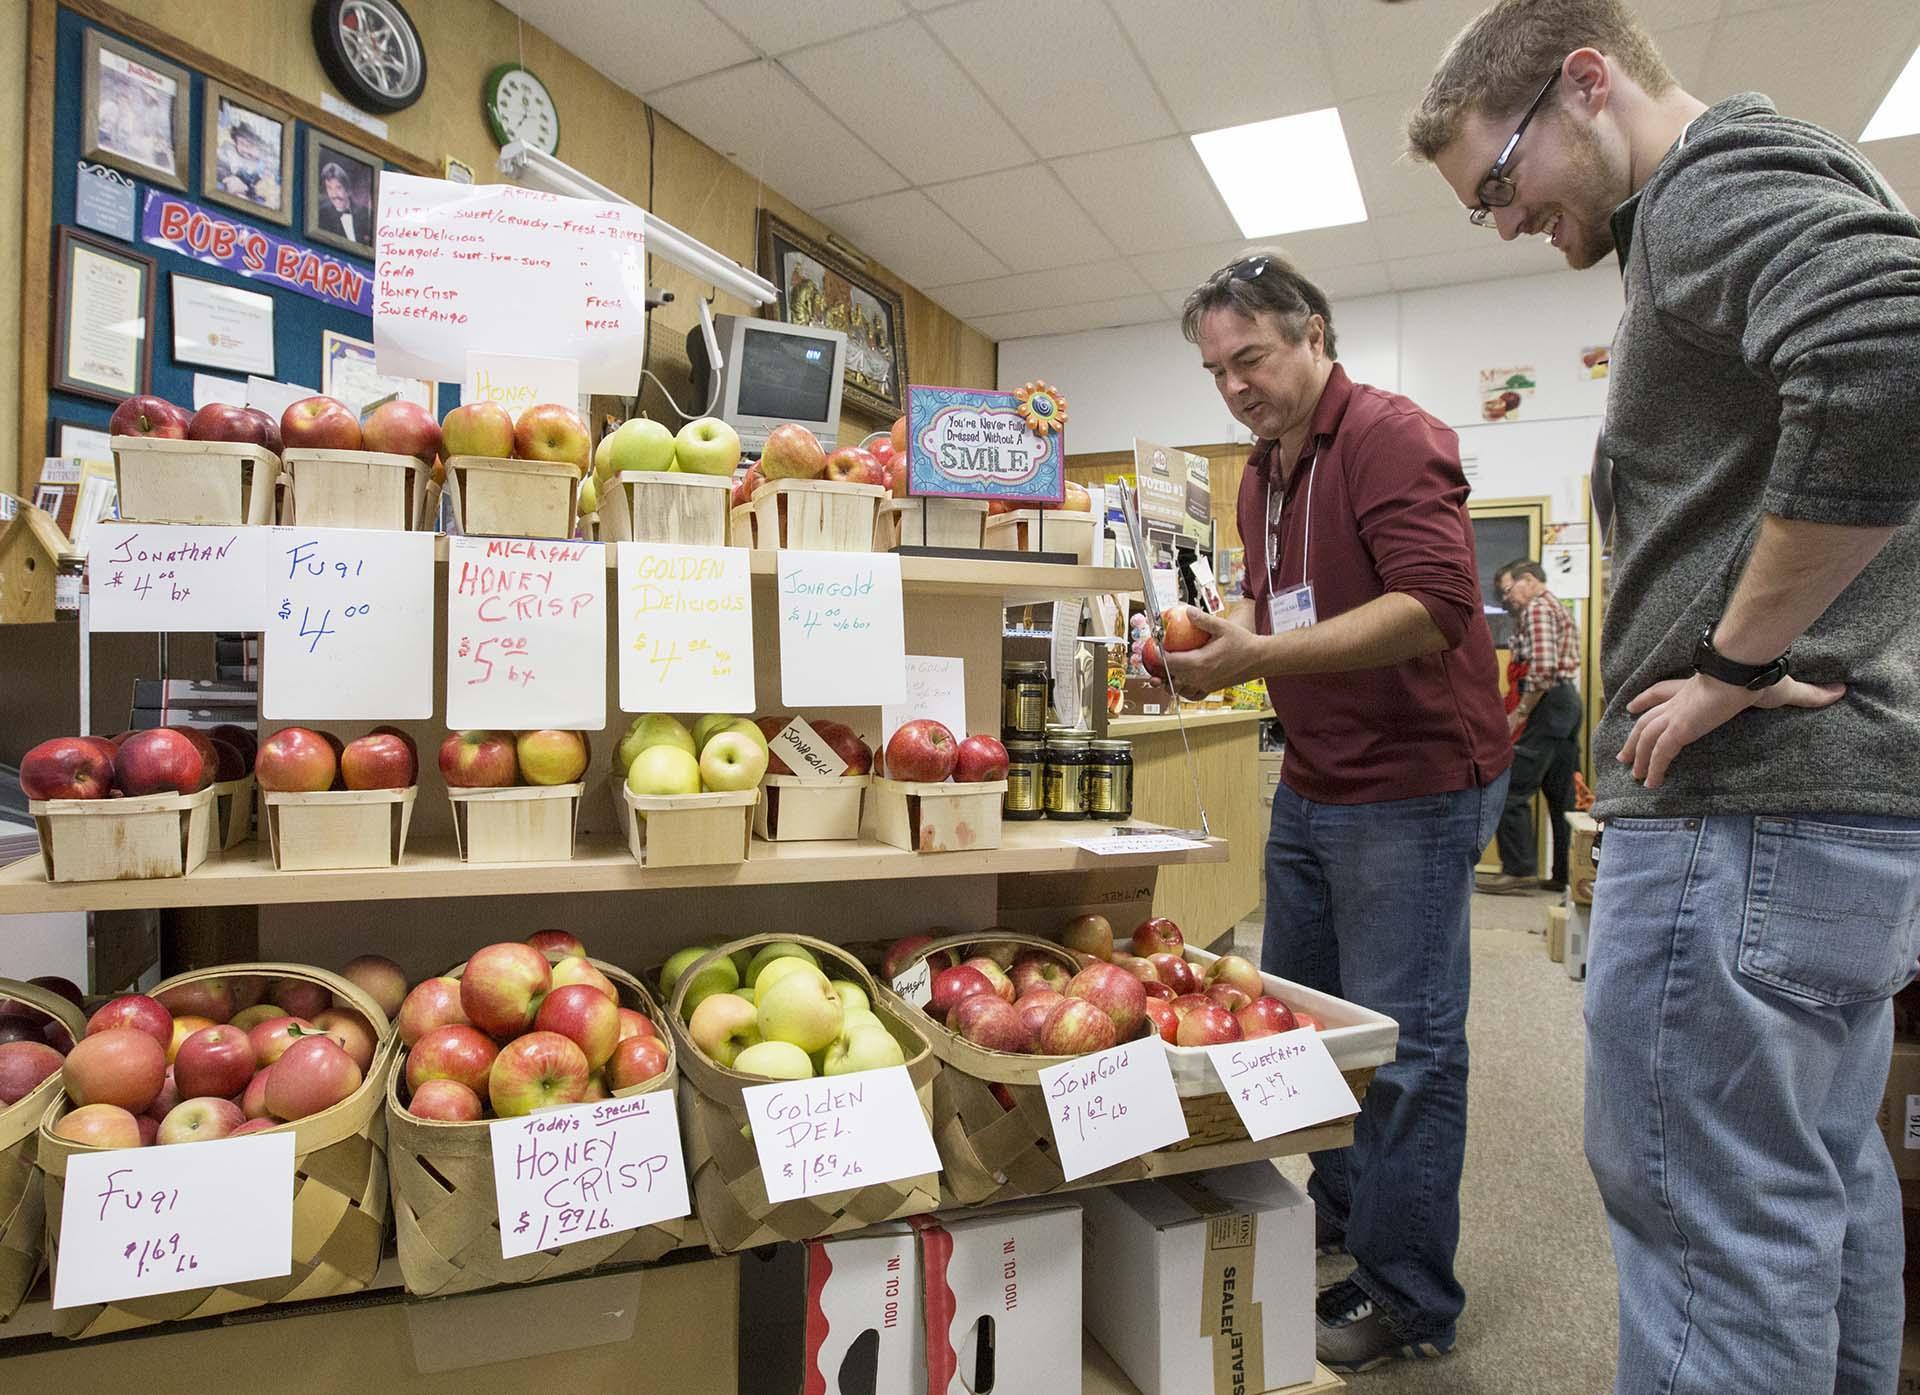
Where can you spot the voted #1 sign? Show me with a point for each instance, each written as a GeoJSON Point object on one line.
{"type": "Point", "coordinates": [686, 628]}
{"type": "Point", "coordinates": [1283, 1082]}
{"type": "Point", "coordinates": [1111, 1106]}
{"type": "Point", "coordinates": [836, 1133]}
{"type": "Point", "coordinates": [842, 635]}
{"type": "Point", "coordinates": [570, 1174]}
{"type": "Point", "coordinates": [141, 1221]}
{"type": "Point", "coordinates": [526, 634]}
{"type": "Point", "coordinates": [349, 636]}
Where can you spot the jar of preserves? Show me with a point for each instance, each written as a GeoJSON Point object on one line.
{"type": "Point", "coordinates": [1109, 781]}
{"type": "Point", "coordinates": [1063, 783]}
{"type": "Point", "coordinates": [1026, 765]}
{"type": "Point", "coordinates": [1023, 699]}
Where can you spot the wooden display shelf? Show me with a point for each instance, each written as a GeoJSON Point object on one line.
{"type": "Point", "coordinates": [1130, 724]}
{"type": "Point", "coordinates": [245, 876]}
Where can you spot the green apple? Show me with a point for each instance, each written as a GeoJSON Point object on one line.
{"type": "Point", "coordinates": [779, 949]}
{"type": "Point", "coordinates": [640, 444]}
{"type": "Point", "coordinates": [652, 729]}
{"type": "Point", "coordinates": [732, 762]}
{"type": "Point", "coordinates": [683, 959]}
{"type": "Point", "coordinates": [708, 725]}
{"type": "Point", "coordinates": [741, 959]}
{"type": "Point", "coordinates": [852, 995]}
{"type": "Point", "coordinates": [778, 970]}
{"type": "Point", "coordinates": [802, 1009]}
{"type": "Point", "coordinates": [857, 1017]}
{"type": "Point", "coordinates": [864, 1048]}
{"type": "Point", "coordinates": [664, 770]}
{"type": "Point", "coordinates": [707, 447]}
{"type": "Point", "coordinates": [777, 1060]}
{"type": "Point", "coordinates": [723, 1026]}
{"type": "Point", "coordinates": [589, 496]}
{"type": "Point", "coordinates": [603, 457]}
{"type": "Point", "coordinates": [747, 727]}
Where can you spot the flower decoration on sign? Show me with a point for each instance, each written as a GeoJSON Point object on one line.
{"type": "Point", "coordinates": [1044, 409]}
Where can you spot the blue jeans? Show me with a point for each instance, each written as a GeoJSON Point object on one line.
{"type": "Point", "coordinates": [1370, 902]}
{"type": "Point", "coordinates": [1738, 1031]}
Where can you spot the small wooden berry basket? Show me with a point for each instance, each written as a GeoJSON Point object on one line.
{"type": "Point", "coordinates": [23, 1212]}
{"type": "Point", "coordinates": [740, 526]}
{"type": "Point", "coordinates": [687, 830]}
{"type": "Point", "coordinates": [514, 498]}
{"type": "Point", "coordinates": [446, 1213]}
{"type": "Point", "coordinates": [160, 480]}
{"type": "Point", "coordinates": [232, 812]}
{"type": "Point", "coordinates": [931, 522]}
{"type": "Point", "coordinates": [729, 1194]}
{"type": "Point", "coordinates": [815, 515]}
{"type": "Point", "coordinates": [340, 1196]}
{"type": "Point", "coordinates": [794, 810]}
{"type": "Point", "coordinates": [666, 507]}
{"type": "Point", "coordinates": [337, 829]}
{"type": "Point", "coordinates": [517, 823]}
{"type": "Point", "coordinates": [933, 818]}
{"type": "Point", "coordinates": [127, 839]}
{"type": "Point", "coordinates": [352, 489]}
{"type": "Point", "coordinates": [1045, 530]}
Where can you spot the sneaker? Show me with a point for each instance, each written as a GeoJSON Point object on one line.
{"type": "Point", "coordinates": [1351, 1335]}
{"type": "Point", "coordinates": [1504, 885]}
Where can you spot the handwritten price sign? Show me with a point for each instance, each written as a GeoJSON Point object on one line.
{"type": "Point", "coordinates": [1112, 1105]}
{"type": "Point", "coordinates": [526, 634]}
{"type": "Point", "coordinates": [137, 1222]}
{"type": "Point", "coordinates": [349, 635]}
{"type": "Point", "coordinates": [838, 1132]}
{"type": "Point", "coordinates": [686, 628]}
{"type": "Point", "coordinates": [178, 577]}
{"type": "Point", "coordinates": [590, 1169]}
{"type": "Point", "coordinates": [936, 688]}
{"type": "Point", "coordinates": [1282, 1083]}
{"type": "Point", "coordinates": [842, 636]}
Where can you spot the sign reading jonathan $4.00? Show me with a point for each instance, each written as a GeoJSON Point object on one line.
{"type": "Point", "coordinates": [973, 443]}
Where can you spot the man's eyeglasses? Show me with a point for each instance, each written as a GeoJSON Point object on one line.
{"type": "Point", "coordinates": [1496, 190]}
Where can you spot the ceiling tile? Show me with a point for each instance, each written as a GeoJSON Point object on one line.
{"type": "Point", "coordinates": [1148, 197]}
{"type": "Point", "coordinates": [1686, 51]}
{"type": "Point", "coordinates": [763, 121]}
{"type": "Point", "coordinates": [1023, 217]}
{"type": "Point", "coordinates": [623, 40]}
{"type": "Point", "coordinates": [780, 26]}
{"type": "Point", "coordinates": [1087, 92]}
{"type": "Point", "coordinates": [1430, 231]}
{"type": "Point", "coordinates": [1108, 279]}
{"type": "Point", "coordinates": [1390, 180]}
{"type": "Point", "coordinates": [1501, 262]}
{"type": "Point", "coordinates": [1379, 49]}
{"type": "Point", "coordinates": [1313, 252]}
{"type": "Point", "coordinates": [1227, 62]}
{"type": "Point", "coordinates": [1793, 55]}
{"type": "Point", "coordinates": [913, 239]}
{"type": "Point", "coordinates": [1072, 319]}
{"type": "Point", "coordinates": [1354, 282]}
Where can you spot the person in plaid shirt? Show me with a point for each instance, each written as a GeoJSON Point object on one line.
{"type": "Point", "coordinates": [1543, 717]}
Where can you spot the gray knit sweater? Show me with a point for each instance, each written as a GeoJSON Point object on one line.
{"type": "Point", "coordinates": [1768, 362]}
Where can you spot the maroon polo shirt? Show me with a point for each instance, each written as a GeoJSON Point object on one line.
{"type": "Point", "coordinates": [1389, 513]}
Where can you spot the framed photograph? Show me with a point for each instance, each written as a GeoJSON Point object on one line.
{"type": "Point", "coordinates": [102, 318]}
{"type": "Point", "coordinates": [72, 441]}
{"type": "Point", "coordinates": [343, 194]}
{"type": "Point", "coordinates": [134, 111]}
{"type": "Point", "coordinates": [820, 287]}
{"type": "Point", "coordinates": [221, 326]}
{"type": "Point", "coordinates": [246, 154]}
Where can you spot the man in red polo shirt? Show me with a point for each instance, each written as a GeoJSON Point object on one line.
{"type": "Point", "coordinates": [1363, 615]}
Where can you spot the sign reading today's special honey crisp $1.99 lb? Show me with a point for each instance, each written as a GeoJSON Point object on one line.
{"type": "Point", "coordinates": [836, 1133]}
{"type": "Point", "coordinates": [565, 1175]}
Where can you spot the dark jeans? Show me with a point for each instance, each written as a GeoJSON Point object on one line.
{"type": "Point", "coordinates": [1369, 902]}
{"type": "Point", "coordinates": [1544, 759]}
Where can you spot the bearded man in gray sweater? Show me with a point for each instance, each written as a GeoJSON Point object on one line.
{"type": "Point", "coordinates": [1758, 899]}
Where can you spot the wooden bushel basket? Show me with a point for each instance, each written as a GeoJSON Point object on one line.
{"type": "Point", "coordinates": [815, 515]}
{"type": "Point", "coordinates": [666, 507]}
{"type": "Point", "coordinates": [232, 812]}
{"type": "Point", "coordinates": [161, 480]}
{"type": "Point", "coordinates": [339, 1187]}
{"type": "Point", "coordinates": [740, 526]}
{"type": "Point", "coordinates": [513, 498]}
{"type": "Point", "coordinates": [1045, 530]}
{"type": "Point", "coordinates": [110, 840]}
{"type": "Point", "coordinates": [446, 1213]}
{"type": "Point", "coordinates": [23, 1212]}
{"type": "Point", "coordinates": [520, 823]}
{"type": "Point", "coordinates": [794, 810]}
{"type": "Point", "coordinates": [930, 818]}
{"type": "Point", "coordinates": [352, 489]}
{"type": "Point", "coordinates": [336, 829]}
{"type": "Point", "coordinates": [729, 1194]}
{"type": "Point", "coordinates": [931, 523]}
{"type": "Point", "coordinates": [688, 830]}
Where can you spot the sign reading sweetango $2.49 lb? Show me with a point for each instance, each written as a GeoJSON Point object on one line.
{"type": "Point", "coordinates": [972, 443]}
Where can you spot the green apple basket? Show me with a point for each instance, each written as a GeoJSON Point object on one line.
{"type": "Point", "coordinates": [446, 1212]}
{"type": "Point", "coordinates": [22, 1197]}
{"type": "Point", "coordinates": [339, 1185]}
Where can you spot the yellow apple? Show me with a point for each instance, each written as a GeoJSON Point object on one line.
{"type": "Point", "coordinates": [802, 1009]}
{"type": "Point", "coordinates": [777, 1060]}
{"type": "Point", "coordinates": [723, 1026]}
{"type": "Point", "coordinates": [779, 949]}
{"type": "Point", "coordinates": [664, 770]}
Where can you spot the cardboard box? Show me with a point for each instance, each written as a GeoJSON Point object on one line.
{"type": "Point", "coordinates": [1557, 934]}
{"type": "Point", "coordinates": [1581, 868]}
{"type": "Point", "coordinates": [1210, 1272]}
{"type": "Point", "coordinates": [839, 1316]}
{"type": "Point", "coordinates": [1910, 1363]}
{"type": "Point", "coordinates": [1000, 1289]}
{"type": "Point", "coordinates": [1900, 1109]}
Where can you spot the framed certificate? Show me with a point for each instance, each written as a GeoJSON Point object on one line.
{"type": "Point", "coordinates": [103, 307]}
{"type": "Point", "coordinates": [218, 326]}
{"type": "Point", "coordinates": [134, 110]}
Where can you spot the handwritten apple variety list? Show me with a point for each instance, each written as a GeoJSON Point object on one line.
{"type": "Point", "coordinates": [1110, 1106]}
{"type": "Point", "coordinates": [526, 634]}
{"type": "Point", "coordinates": [349, 633]}
{"type": "Point", "coordinates": [567, 1175]}
{"type": "Point", "coordinates": [838, 1132]}
{"type": "Point", "coordinates": [686, 628]}
{"type": "Point", "coordinates": [174, 577]}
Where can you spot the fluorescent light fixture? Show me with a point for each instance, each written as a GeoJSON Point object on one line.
{"type": "Point", "coordinates": [1285, 175]}
{"type": "Point", "coordinates": [1899, 114]}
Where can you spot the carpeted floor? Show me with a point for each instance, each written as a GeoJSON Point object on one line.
{"type": "Point", "coordinates": [1534, 1259]}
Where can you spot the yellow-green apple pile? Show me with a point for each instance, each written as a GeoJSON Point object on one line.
{"type": "Point", "coordinates": [775, 1012]}
{"type": "Point", "coordinates": [661, 755]}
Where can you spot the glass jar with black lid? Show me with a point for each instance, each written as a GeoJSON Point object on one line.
{"type": "Point", "coordinates": [1026, 767]}
{"type": "Point", "coordinates": [1063, 785]}
{"type": "Point", "coordinates": [1023, 699]}
{"type": "Point", "coordinates": [1109, 780]}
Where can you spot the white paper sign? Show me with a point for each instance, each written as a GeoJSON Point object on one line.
{"type": "Point", "coordinates": [1568, 570]}
{"type": "Point", "coordinates": [1112, 1105]}
{"type": "Point", "coordinates": [274, 398]}
{"type": "Point", "coordinates": [142, 1221]}
{"type": "Point", "coordinates": [1166, 587]}
{"type": "Point", "coordinates": [1063, 661]}
{"type": "Point", "coordinates": [456, 263]}
{"type": "Point", "coordinates": [806, 754]}
{"type": "Point", "coordinates": [835, 1133]}
{"type": "Point", "coordinates": [565, 1175]}
{"type": "Point", "coordinates": [915, 984]}
{"type": "Point", "coordinates": [517, 382]}
{"type": "Point", "coordinates": [349, 633]}
{"type": "Point", "coordinates": [936, 688]}
{"type": "Point", "coordinates": [209, 390]}
{"type": "Point", "coordinates": [526, 634]}
{"type": "Point", "coordinates": [842, 635]}
{"type": "Point", "coordinates": [179, 578]}
{"type": "Point", "coordinates": [221, 326]}
{"type": "Point", "coordinates": [1130, 844]}
{"type": "Point", "coordinates": [686, 628]}
{"type": "Point", "coordinates": [1281, 1083]}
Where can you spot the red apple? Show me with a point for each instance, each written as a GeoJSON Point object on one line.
{"type": "Point", "coordinates": [1141, 969]}
{"type": "Point", "coordinates": [1176, 973]}
{"type": "Point", "coordinates": [214, 1061]}
{"type": "Point", "coordinates": [1076, 499]}
{"type": "Point", "coordinates": [1075, 1027]}
{"type": "Point", "coordinates": [584, 1016]}
{"type": "Point", "coordinates": [1308, 1020]}
{"type": "Point", "coordinates": [852, 465]}
{"type": "Point", "coordinates": [574, 969]}
{"type": "Point", "coordinates": [23, 1066]}
{"type": "Point", "coordinates": [211, 998]}
{"type": "Point", "coordinates": [452, 1053]}
{"type": "Point", "coordinates": [634, 1023]}
{"type": "Point", "coordinates": [1034, 972]}
{"type": "Point", "coordinates": [479, 760]}
{"type": "Point", "coordinates": [744, 487]}
{"type": "Point", "coordinates": [377, 763]}
{"type": "Point", "coordinates": [564, 943]}
{"type": "Point", "coordinates": [295, 760]}
{"type": "Point", "coordinates": [1233, 970]}
{"type": "Point", "coordinates": [980, 759]}
{"type": "Point", "coordinates": [199, 1119]}
{"type": "Point", "coordinates": [159, 762]}
{"type": "Point", "coordinates": [635, 1061]}
{"type": "Point", "coordinates": [221, 421]}
{"type": "Point", "coordinates": [146, 415]}
{"type": "Point", "coordinates": [228, 762]}
{"type": "Point", "coordinates": [134, 1010]}
{"type": "Point", "coordinates": [990, 1023]}
{"type": "Point", "coordinates": [792, 453]}
{"type": "Point", "coordinates": [68, 767]}
{"type": "Point", "coordinates": [1228, 997]}
{"type": "Point", "coordinates": [952, 985]}
{"type": "Point", "coordinates": [380, 979]}
{"type": "Point", "coordinates": [118, 1066]}
{"type": "Point", "coordinates": [256, 1125]}
{"type": "Point", "coordinates": [101, 1126]}
{"type": "Point", "coordinates": [351, 1031]}
{"type": "Point", "coordinates": [534, 1071]}
{"type": "Point", "coordinates": [1190, 1002]}
{"type": "Point", "coordinates": [549, 431]}
{"type": "Point", "coordinates": [847, 745]}
{"type": "Point", "coordinates": [319, 423]}
{"type": "Point", "coordinates": [298, 998]}
{"type": "Point", "coordinates": [242, 740]}
{"type": "Point", "coordinates": [501, 988]}
{"type": "Point", "coordinates": [1115, 992]}
{"type": "Point", "coordinates": [1165, 1021]}
{"type": "Point", "coordinates": [921, 751]}
{"type": "Point", "coordinates": [53, 983]}
{"type": "Point", "coordinates": [1034, 1009]}
{"type": "Point", "coordinates": [1158, 936]}
{"type": "Point", "coordinates": [445, 1100]}
{"type": "Point", "coordinates": [271, 1038]}
{"type": "Point", "coordinates": [184, 1027]}
{"type": "Point", "coordinates": [1179, 631]}
{"type": "Point", "coordinates": [1150, 658]}
{"type": "Point", "coordinates": [403, 428]}
{"type": "Point", "coordinates": [434, 1002]}
{"type": "Point", "coordinates": [1088, 934]}
{"type": "Point", "coordinates": [903, 949]}
{"type": "Point", "coordinates": [1206, 1026]}
{"type": "Point", "coordinates": [313, 1074]}
{"type": "Point", "coordinates": [478, 428]}
{"type": "Point", "coordinates": [253, 1100]}
{"type": "Point", "coordinates": [994, 974]}
{"type": "Point", "coordinates": [1265, 1016]}
{"type": "Point", "coordinates": [268, 426]}
{"type": "Point", "coordinates": [1159, 990]}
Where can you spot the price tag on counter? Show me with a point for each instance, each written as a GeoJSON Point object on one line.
{"type": "Point", "coordinates": [1283, 1082]}
{"type": "Point", "coordinates": [1123, 844]}
{"type": "Point", "coordinates": [140, 1221]}
{"type": "Point", "coordinates": [807, 755]}
{"type": "Point", "coordinates": [915, 984]}
{"type": "Point", "coordinates": [936, 688]}
{"type": "Point", "coordinates": [842, 635]}
{"type": "Point", "coordinates": [1112, 1105]}
{"type": "Point", "coordinates": [526, 634]}
{"type": "Point", "coordinates": [179, 578]}
{"type": "Point", "coordinates": [570, 1174]}
{"type": "Point", "coordinates": [686, 628]}
{"type": "Point", "coordinates": [349, 636]}
{"type": "Point", "coordinates": [837, 1132]}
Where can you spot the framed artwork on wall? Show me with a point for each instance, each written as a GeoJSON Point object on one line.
{"type": "Point", "coordinates": [820, 287]}
{"type": "Point", "coordinates": [134, 111]}
{"type": "Point", "coordinates": [103, 318]}
{"type": "Point", "coordinates": [343, 194]}
{"type": "Point", "coordinates": [246, 154]}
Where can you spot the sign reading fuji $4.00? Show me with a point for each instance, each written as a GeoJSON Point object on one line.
{"type": "Point", "coordinates": [975, 443]}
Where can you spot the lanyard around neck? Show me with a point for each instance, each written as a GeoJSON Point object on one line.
{"type": "Point", "coordinates": [1275, 511]}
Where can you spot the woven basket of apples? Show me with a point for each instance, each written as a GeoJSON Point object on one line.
{"type": "Point", "coordinates": [812, 808]}
{"type": "Point", "coordinates": [806, 500]}
{"type": "Point", "coordinates": [137, 806]}
{"type": "Point", "coordinates": [220, 464]}
{"type": "Point", "coordinates": [37, 1028]}
{"type": "Point", "coordinates": [329, 805]}
{"type": "Point", "coordinates": [518, 1027]}
{"type": "Point", "coordinates": [939, 795]}
{"type": "Point", "coordinates": [686, 795]}
{"type": "Point", "coordinates": [515, 795]}
{"type": "Point", "coordinates": [222, 1052]}
{"type": "Point", "coordinates": [340, 472]}
{"type": "Point", "coordinates": [740, 1022]}
{"type": "Point", "coordinates": [514, 477]}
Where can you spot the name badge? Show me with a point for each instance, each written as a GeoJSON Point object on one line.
{"type": "Point", "coordinates": [1292, 609]}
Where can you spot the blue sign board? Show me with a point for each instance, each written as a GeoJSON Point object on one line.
{"type": "Point", "coordinates": [976, 443]}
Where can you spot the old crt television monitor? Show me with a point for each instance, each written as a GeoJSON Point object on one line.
{"type": "Point", "coordinates": [771, 373]}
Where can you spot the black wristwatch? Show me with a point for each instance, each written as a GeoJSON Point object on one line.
{"type": "Point", "coordinates": [1752, 677]}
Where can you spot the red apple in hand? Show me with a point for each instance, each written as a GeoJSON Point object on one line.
{"type": "Point", "coordinates": [1157, 936]}
{"type": "Point", "coordinates": [320, 423]}
{"type": "Point", "coordinates": [1180, 631]}
{"type": "Point", "coordinates": [295, 760]}
{"type": "Point", "coordinates": [922, 752]}
{"type": "Point", "coordinates": [68, 767]}
{"type": "Point", "coordinates": [146, 415]}
{"type": "Point", "coordinates": [980, 759]}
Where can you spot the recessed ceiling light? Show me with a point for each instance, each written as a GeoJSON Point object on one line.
{"type": "Point", "coordinates": [1285, 175]}
{"type": "Point", "coordinates": [1899, 114]}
